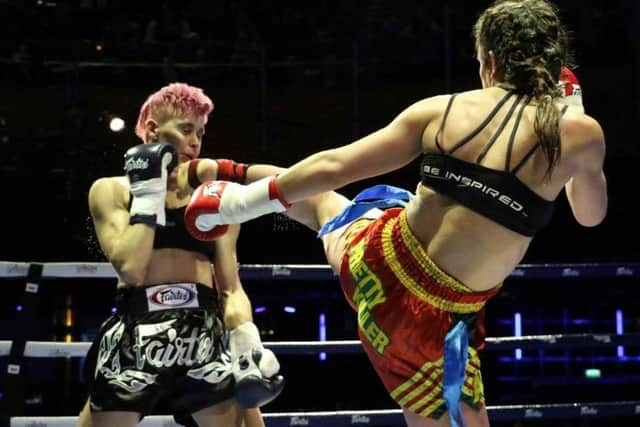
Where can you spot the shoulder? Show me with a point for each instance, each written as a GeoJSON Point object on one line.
{"type": "Point", "coordinates": [424, 109]}
{"type": "Point", "coordinates": [113, 190]}
{"type": "Point", "coordinates": [431, 103]}
{"type": "Point", "coordinates": [578, 122]}
{"type": "Point", "coordinates": [435, 106]}
{"type": "Point", "coordinates": [581, 130]}
{"type": "Point", "coordinates": [582, 137]}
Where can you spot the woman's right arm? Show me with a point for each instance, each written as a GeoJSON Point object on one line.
{"type": "Point", "coordinates": [587, 188]}
{"type": "Point", "coordinates": [128, 247]}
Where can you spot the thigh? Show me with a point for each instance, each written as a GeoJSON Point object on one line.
{"type": "Point", "coordinates": [115, 418]}
{"type": "Point", "coordinates": [227, 413]}
{"type": "Point", "coordinates": [335, 242]}
{"type": "Point", "coordinates": [106, 419]}
{"type": "Point", "coordinates": [253, 417]}
{"type": "Point", "coordinates": [84, 419]}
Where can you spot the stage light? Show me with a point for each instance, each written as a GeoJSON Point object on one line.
{"type": "Point", "coordinates": [517, 331]}
{"type": "Point", "coordinates": [322, 333]}
{"type": "Point", "coordinates": [620, 331]}
{"type": "Point", "coordinates": [116, 124]}
{"type": "Point", "coordinates": [592, 373]}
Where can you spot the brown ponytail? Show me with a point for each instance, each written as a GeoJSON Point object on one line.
{"type": "Point", "coordinates": [530, 45]}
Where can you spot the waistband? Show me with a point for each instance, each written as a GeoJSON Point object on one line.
{"type": "Point", "coordinates": [411, 265]}
{"type": "Point", "coordinates": [166, 296]}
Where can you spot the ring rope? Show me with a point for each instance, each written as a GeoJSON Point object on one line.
{"type": "Point", "coordinates": [40, 349]}
{"type": "Point", "coordinates": [387, 417]}
{"type": "Point", "coordinates": [46, 349]}
{"type": "Point", "coordinates": [54, 270]}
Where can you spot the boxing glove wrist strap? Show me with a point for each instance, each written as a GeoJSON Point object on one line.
{"type": "Point", "coordinates": [147, 204]}
{"type": "Point", "coordinates": [243, 338]}
{"type": "Point", "coordinates": [228, 170]}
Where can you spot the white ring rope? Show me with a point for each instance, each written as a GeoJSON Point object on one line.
{"type": "Point", "coordinates": [43, 349]}
{"type": "Point", "coordinates": [386, 417]}
{"type": "Point", "coordinates": [319, 271]}
{"type": "Point", "coordinates": [47, 349]}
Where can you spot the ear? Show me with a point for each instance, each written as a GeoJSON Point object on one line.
{"type": "Point", "coordinates": [493, 66]}
{"type": "Point", "coordinates": [151, 130]}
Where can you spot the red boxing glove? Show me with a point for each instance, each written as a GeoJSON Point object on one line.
{"type": "Point", "coordinates": [205, 200]}
{"type": "Point", "coordinates": [571, 90]}
{"type": "Point", "coordinates": [217, 203]}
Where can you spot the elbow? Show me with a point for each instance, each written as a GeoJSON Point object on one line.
{"type": "Point", "coordinates": [591, 222]}
{"type": "Point", "coordinates": [592, 218]}
{"type": "Point", "coordinates": [130, 272]}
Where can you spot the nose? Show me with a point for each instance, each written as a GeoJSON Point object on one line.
{"type": "Point", "coordinates": [195, 141]}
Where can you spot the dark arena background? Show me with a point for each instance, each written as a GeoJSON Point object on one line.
{"type": "Point", "coordinates": [289, 78]}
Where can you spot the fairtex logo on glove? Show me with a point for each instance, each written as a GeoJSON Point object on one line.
{"type": "Point", "coordinates": [163, 297]}
{"type": "Point", "coordinates": [214, 189]}
{"type": "Point", "coordinates": [136, 164]}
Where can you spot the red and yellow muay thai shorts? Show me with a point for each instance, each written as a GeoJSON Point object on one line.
{"type": "Point", "coordinates": [406, 305]}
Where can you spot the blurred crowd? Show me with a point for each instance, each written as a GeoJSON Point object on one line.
{"type": "Point", "coordinates": [227, 31]}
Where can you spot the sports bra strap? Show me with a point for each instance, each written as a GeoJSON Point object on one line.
{"type": "Point", "coordinates": [531, 150]}
{"type": "Point", "coordinates": [483, 124]}
{"type": "Point", "coordinates": [444, 119]}
{"type": "Point", "coordinates": [512, 138]}
{"type": "Point", "coordinates": [495, 136]}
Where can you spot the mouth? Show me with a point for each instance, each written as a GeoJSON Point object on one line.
{"type": "Point", "coordinates": [185, 157]}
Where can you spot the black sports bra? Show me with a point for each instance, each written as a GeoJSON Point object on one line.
{"type": "Point", "coordinates": [497, 194]}
{"type": "Point", "coordinates": [175, 235]}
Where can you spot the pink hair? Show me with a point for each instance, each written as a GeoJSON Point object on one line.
{"type": "Point", "coordinates": [174, 99]}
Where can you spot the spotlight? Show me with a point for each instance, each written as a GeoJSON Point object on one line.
{"type": "Point", "coordinates": [116, 124]}
{"type": "Point", "coordinates": [114, 121]}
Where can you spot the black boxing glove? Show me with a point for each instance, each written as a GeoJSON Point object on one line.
{"type": "Point", "coordinates": [148, 167]}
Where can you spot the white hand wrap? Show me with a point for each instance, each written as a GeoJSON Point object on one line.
{"type": "Point", "coordinates": [149, 195]}
{"type": "Point", "coordinates": [243, 338]}
{"type": "Point", "coordinates": [241, 203]}
{"type": "Point", "coordinates": [242, 341]}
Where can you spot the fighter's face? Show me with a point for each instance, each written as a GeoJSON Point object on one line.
{"type": "Point", "coordinates": [184, 133]}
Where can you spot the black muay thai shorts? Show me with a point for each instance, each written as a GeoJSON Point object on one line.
{"type": "Point", "coordinates": [164, 343]}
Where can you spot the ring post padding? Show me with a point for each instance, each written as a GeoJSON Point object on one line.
{"type": "Point", "coordinates": [15, 385]}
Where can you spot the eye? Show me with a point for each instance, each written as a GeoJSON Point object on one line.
{"type": "Point", "coordinates": [186, 129]}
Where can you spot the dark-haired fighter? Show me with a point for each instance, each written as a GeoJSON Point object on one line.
{"type": "Point", "coordinates": [494, 161]}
